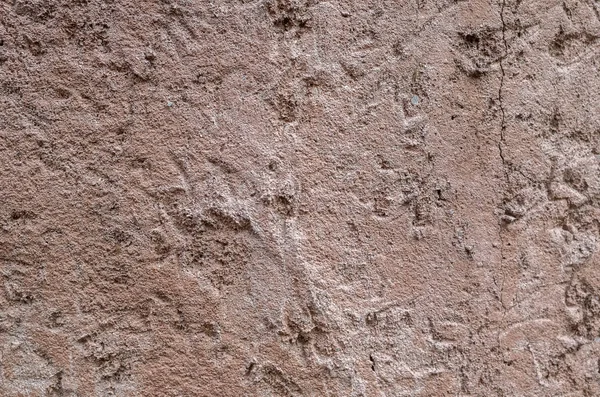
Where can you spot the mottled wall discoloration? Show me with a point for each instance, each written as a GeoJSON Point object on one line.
{"type": "Point", "coordinates": [299, 198]}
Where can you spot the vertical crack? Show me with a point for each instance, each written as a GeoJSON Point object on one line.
{"type": "Point", "coordinates": [500, 100]}
{"type": "Point", "coordinates": [501, 149]}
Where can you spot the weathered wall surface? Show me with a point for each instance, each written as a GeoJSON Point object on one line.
{"type": "Point", "coordinates": [299, 198]}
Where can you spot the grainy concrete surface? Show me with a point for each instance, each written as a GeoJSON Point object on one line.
{"type": "Point", "coordinates": [299, 198]}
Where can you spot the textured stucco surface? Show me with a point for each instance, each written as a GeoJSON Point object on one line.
{"type": "Point", "coordinates": [299, 198]}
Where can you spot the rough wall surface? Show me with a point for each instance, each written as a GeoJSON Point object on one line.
{"type": "Point", "coordinates": [299, 198]}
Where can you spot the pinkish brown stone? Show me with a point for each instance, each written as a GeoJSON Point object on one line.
{"type": "Point", "coordinates": [299, 198]}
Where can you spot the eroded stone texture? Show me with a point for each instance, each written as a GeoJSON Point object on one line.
{"type": "Point", "coordinates": [300, 198]}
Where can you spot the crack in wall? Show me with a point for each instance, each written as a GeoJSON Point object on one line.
{"type": "Point", "coordinates": [501, 150]}
{"type": "Point", "coordinates": [500, 100]}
